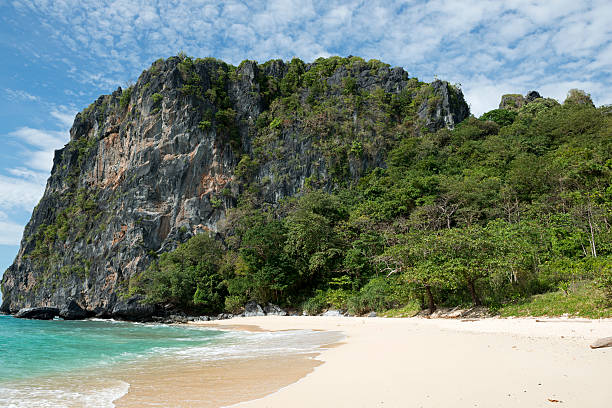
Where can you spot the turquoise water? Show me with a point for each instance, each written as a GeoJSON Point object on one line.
{"type": "Point", "coordinates": [90, 363]}
{"type": "Point", "coordinates": [30, 348]}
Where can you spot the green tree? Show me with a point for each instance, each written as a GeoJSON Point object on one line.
{"type": "Point", "coordinates": [264, 272]}
{"type": "Point", "coordinates": [502, 117]}
{"type": "Point", "coordinates": [418, 256]}
{"type": "Point", "coordinates": [188, 276]}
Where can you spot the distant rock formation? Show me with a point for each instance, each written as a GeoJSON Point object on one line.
{"type": "Point", "coordinates": [579, 97]}
{"type": "Point", "coordinates": [517, 101]}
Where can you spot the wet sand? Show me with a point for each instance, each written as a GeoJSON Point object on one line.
{"type": "Point", "coordinates": [165, 383]}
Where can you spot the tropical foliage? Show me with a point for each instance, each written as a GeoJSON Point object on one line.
{"type": "Point", "coordinates": [502, 208]}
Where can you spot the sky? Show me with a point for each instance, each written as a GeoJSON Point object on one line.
{"type": "Point", "coordinates": [58, 56]}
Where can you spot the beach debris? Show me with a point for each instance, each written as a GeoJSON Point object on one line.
{"type": "Point", "coordinates": [600, 343]}
{"type": "Point", "coordinates": [372, 314]}
{"type": "Point", "coordinates": [476, 312]}
{"type": "Point", "coordinates": [554, 400]}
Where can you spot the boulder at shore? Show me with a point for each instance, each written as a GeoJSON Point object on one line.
{"type": "Point", "coordinates": [133, 309]}
{"type": "Point", "coordinates": [39, 313]}
{"type": "Point", "coordinates": [253, 308]}
{"type": "Point", "coordinates": [275, 310]}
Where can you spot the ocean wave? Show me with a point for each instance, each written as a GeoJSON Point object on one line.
{"type": "Point", "coordinates": [54, 396]}
{"type": "Point", "coordinates": [102, 349]}
{"type": "Point", "coordinates": [236, 345]}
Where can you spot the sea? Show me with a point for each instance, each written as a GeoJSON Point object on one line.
{"type": "Point", "coordinates": [87, 363]}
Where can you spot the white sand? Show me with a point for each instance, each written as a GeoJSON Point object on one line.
{"type": "Point", "coordinates": [449, 363]}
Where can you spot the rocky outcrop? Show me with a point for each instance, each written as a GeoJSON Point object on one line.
{"type": "Point", "coordinates": [274, 310]}
{"type": "Point", "coordinates": [532, 96]}
{"type": "Point", "coordinates": [133, 309]}
{"type": "Point", "coordinates": [148, 167]}
{"type": "Point", "coordinates": [38, 313]}
{"type": "Point", "coordinates": [444, 107]}
{"type": "Point", "coordinates": [333, 313]}
{"type": "Point", "coordinates": [72, 311]}
{"type": "Point", "coordinates": [252, 308]}
{"type": "Point", "coordinates": [512, 101]}
{"type": "Point", "coordinates": [578, 97]}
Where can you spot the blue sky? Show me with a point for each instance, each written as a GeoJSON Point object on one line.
{"type": "Point", "coordinates": [59, 55]}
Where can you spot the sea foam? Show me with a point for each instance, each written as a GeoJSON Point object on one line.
{"type": "Point", "coordinates": [21, 396]}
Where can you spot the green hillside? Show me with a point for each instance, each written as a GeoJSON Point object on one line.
{"type": "Point", "coordinates": [502, 208]}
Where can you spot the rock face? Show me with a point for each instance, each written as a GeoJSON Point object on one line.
{"type": "Point", "coordinates": [148, 167]}
{"type": "Point", "coordinates": [132, 309]}
{"type": "Point", "coordinates": [72, 311]}
{"type": "Point", "coordinates": [445, 108]}
{"type": "Point", "coordinates": [38, 313]}
{"type": "Point", "coordinates": [514, 102]}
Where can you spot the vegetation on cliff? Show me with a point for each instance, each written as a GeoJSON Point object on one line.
{"type": "Point", "coordinates": [341, 183]}
{"type": "Point", "coordinates": [514, 204]}
{"type": "Point", "coordinates": [165, 159]}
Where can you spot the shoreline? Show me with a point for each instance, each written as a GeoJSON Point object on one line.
{"type": "Point", "coordinates": [282, 358]}
{"type": "Point", "coordinates": [389, 362]}
{"type": "Point", "coordinates": [305, 361]}
{"type": "Point", "coordinates": [183, 366]}
{"type": "Point", "coordinates": [213, 383]}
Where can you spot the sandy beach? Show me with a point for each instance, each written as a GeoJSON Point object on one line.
{"type": "Point", "coordinates": [419, 362]}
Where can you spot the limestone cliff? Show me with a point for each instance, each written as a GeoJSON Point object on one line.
{"type": "Point", "coordinates": [150, 166]}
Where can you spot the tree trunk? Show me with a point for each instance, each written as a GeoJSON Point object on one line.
{"type": "Point", "coordinates": [472, 288]}
{"type": "Point", "coordinates": [592, 239]}
{"type": "Point", "coordinates": [430, 299]}
{"type": "Point", "coordinates": [605, 342]}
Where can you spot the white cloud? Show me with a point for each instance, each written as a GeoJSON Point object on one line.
{"type": "Point", "coordinates": [491, 41]}
{"type": "Point", "coordinates": [10, 233]}
{"type": "Point", "coordinates": [22, 186]}
{"type": "Point", "coordinates": [17, 94]}
{"type": "Point", "coordinates": [558, 90]}
{"type": "Point", "coordinates": [41, 145]}
{"type": "Point", "coordinates": [65, 117]}
{"type": "Point", "coordinates": [19, 193]}
{"type": "Point", "coordinates": [28, 174]}
{"type": "Point", "coordinates": [44, 139]}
